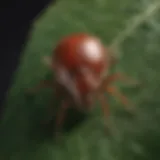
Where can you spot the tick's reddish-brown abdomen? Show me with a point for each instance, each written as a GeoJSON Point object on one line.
{"type": "Point", "coordinates": [68, 54]}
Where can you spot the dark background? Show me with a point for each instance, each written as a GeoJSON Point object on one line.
{"type": "Point", "coordinates": [16, 18]}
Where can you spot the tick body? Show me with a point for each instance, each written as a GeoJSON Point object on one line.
{"type": "Point", "coordinates": [81, 64]}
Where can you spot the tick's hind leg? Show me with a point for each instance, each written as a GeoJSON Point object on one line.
{"type": "Point", "coordinates": [112, 90]}
{"type": "Point", "coordinates": [106, 86]}
{"type": "Point", "coordinates": [106, 113]}
{"type": "Point", "coordinates": [120, 77]}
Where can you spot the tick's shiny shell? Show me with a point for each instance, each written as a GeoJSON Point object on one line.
{"type": "Point", "coordinates": [80, 64]}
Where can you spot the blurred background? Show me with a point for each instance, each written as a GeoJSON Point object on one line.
{"type": "Point", "coordinates": [133, 137]}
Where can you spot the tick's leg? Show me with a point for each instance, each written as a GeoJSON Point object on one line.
{"type": "Point", "coordinates": [120, 77]}
{"type": "Point", "coordinates": [42, 84]}
{"type": "Point", "coordinates": [106, 113]}
{"type": "Point", "coordinates": [51, 109]}
{"type": "Point", "coordinates": [116, 93]}
{"type": "Point", "coordinates": [61, 116]}
{"type": "Point", "coordinates": [50, 112]}
{"type": "Point", "coordinates": [104, 105]}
